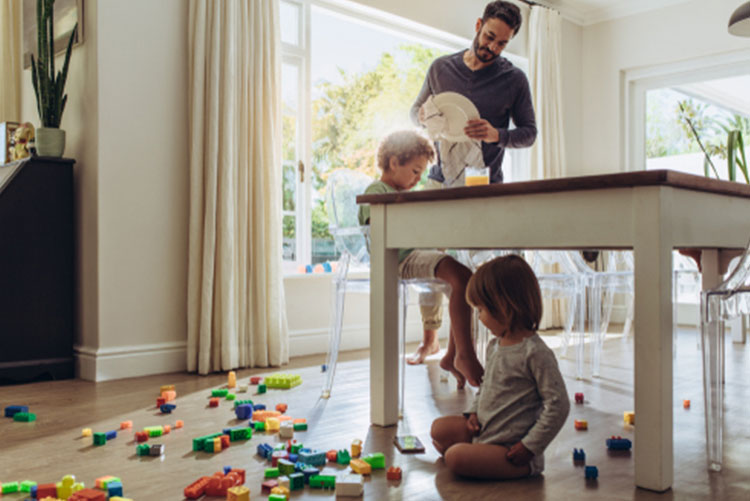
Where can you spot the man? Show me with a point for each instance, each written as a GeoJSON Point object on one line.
{"type": "Point", "coordinates": [499, 90]}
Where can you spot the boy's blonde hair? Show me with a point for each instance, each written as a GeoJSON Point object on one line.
{"type": "Point", "coordinates": [507, 286]}
{"type": "Point", "coordinates": [404, 145]}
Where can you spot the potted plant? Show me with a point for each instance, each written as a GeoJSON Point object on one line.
{"type": "Point", "coordinates": [48, 86]}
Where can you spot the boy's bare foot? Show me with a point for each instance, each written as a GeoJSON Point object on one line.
{"type": "Point", "coordinates": [446, 363]}
{"type": "Point", "coordinates": [470, 367]}
{"type": "Point", "coordinates": [424, 350]}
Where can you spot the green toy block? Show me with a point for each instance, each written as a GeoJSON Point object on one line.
{"type": "Point", "coordinates": [25, 417]}
{"type": "Point", "coordinates": [283, 381]}
{"type": "Point", "coordinates": [11, 487]}
{"type": "Point", "coordinates": [272, 473]}
{"type": "Point", "coordinates": [199, 444]}
{"type": "Point", "coordinates": [242, 402]}
{"type": "Point", "coordinates": [296, 481]}
{"type": "Point", "coordinates": [376, 460]}
{"type": "Point", "coordinates": [219, 393]}
{"type": "Point", "coordinates": [279, 447]}
{"type": "Point", "coordinates": [323, 481]}
{"type": "Point", "coordinates": [142, 449]}
{"type": "Point", "coordinates": [260, 426]}
{"type": "Point", "coordinates": [240, 434]}
{"type": "Point", "coordinates": [286, 467]}
{"type": "Point", "coordinates": [277, 497]}
{"type": "Point", "coordinates": [295, 448]}
{"type": "Point", "coordinates": [26, 485]}
{"type": "Point", "coordinates": [300, 426]}
{"type": "Point", "coordinates": [231, 396]}
{"type": "Point", "coordinates": [343, 457]}
{"type": "Point", "coordinates": [100, 438]}
{"type": "Point", "coordinates": [261, 388]}
{"type": "Point", "coordinates": [155, 431]}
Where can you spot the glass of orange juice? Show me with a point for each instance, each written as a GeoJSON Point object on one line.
{"type": "Point", "coordinates": [476, 176]}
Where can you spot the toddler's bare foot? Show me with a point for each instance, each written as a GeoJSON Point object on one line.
{"type": "Point", "coordinates": [446, 363]}
{"type": "Point", "coordinates": [470, 367]}
{"type": "Point", "coordinates": [423, 351]}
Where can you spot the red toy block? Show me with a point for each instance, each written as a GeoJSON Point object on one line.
{"type": "Point", "coordinates": [276, 455]}
{"type": "Point", "coordinates": [224, 442]}
{"type": "Point", "coordinates": [219, 483]}
{"type": "Point", "coordinates": [266, 486]}
{"type": "Point", "coordinates": [160, 401]}
{"type": "Point", "coordinates": [88, 495]}
{"type": "Point", "coordinates": [214, 402]}
{"type": "Point", "coordinates": [255, 380]}
{"type": "Point", "coordinates": [332, 455]}
{"type": "Point", "coordinates": [197, 488]}
{"type": "Point", "coordinates": [281, 408]}
{"type": "Point", "coordinates": [46, 490]}
{"type": "Point", "coordinates": [579, 398]}
{"type": "Point", "coordinates": [581, 424]}
{"type": "Point", "coordinates": [289, 444]}
{"type": "Point", "coordinates": [141, 436]}
{"type": "Point", "coordinates": [393, 473]}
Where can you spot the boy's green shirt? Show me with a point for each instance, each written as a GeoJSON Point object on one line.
{"type": "Point", "coordinates": [375, 188]}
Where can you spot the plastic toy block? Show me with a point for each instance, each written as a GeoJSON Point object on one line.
{"type": "Point", "coordinates": [299, 420]}
{"type": "Point", "coordinates": [100, 438]}
{"type": "Point", "coordinates": [169, 395]}
{"type": "Point", "coordinates": [276, 455]}
{"type": "Point", "coordinates": [25, 417]}
{"type": "Point", "coordinates": [356, 448]}
{"type": "Point", "coordinates": [112, 434]}
{"type": "Point", "coordinates": [299, 426]}
{"type": "Point", "coordinates": [10, 487]}
{"type": "Point", "coordinates": [255, 379]}
{"type": "Point", "coordinates": [283, 381]}
{"type": "Point", "coordinates": [285, 466]}
{"type": "Point", "coordinates": [160, 401]}
{"type": "Point", "coordinates": [240, 472]}
{"type": "Point", "coordinates": [200, 443]}
{"type": "Point", "coordinates": [266, 486]}
{"type": "Point", "coordinates": [323, 368]}
{"type": "Point", "coordinates": [244, 411]}
{"type": "Point", "coordinates": [260, 426]}
{"type": "Point", "coordinates": [103, 482]}
{"type": "Point", "coordinates": [581, 424]}
{"type": "Point", "coordinates": [686, 404]}
{"type": "Point", "coordinates": [261, 388]}
{"type": "Point", "coordinates": [154, 431]}
{"type": "Point", "coordinates": [214, 445]}
{"type": "Point", "coordinates": [67, 486]}
{"type": "Point", "coordinates": [332, 455]}
{"type": "Point", "coordinates": [293, 457]}
{"type": "Point", "coordinates": [231, 379]}
{"type": "Point", "coordinates": [294, 448]}
{"type": "Point", "coordinates": [46, 490]}
{"type": "Point", "coordinates": [166, 429]}
{"type": "Point", "coordinates": [273, 424]}
{"type": "Point", "coordinates": [126, 425]}
{"type": "Point", "coordinates": [219, 483]}
{"type": "Point", "coordinates": [86, 432]}
{"type": "Point", "coordinates": [259, 407]}
{"type": "Point", "coordinates": [281, 489]}
{"type": "Point", "coordinates": [323, 481]}
{"type": "Point", "coordinates": [309, 472]}
{"type": "Point", "coordinates": [166, 387]}
{"type": "Point", "coordinates": [237, 403]}
{"type": "Point", "coordinates": [240, 434]}
{"type": "Point", "coordinates": [349, 485]}
{"type": "Point", "coordinates": [314, 458]}
{"type": "Point", "coordinates": [361, 467]}
{"type": "Point", "coordinates": [286, 430]}
{"type": "Point", "coordinates": [393, 473]}
{"type": "Point", "coordinates": [12, 410]}
{"type": "Point", "coordinates": [262, 415]}
{"type": "Point", "coordinates": [219, 393]}
{"type": "Point", "coordinates": [167, 408]}
{"type": "Point", "coordinates": [343, 457]}
{"type": "Point", "coordinates": [179, 424]}
{"type": "Point", "coordinates": [114, 489]}
{"type": "Point", "coordinates": [376, 460]}
{"type": "Point", "coordinates": [88, 495]}
{"type": "Point", "coordinates": [142, 450]}
{"type": "Point", "coordinates": [579, 398]}
{"type": "Point", "coordinates": [197, 488]}
{"type": "Point", "coordinates": [281, 408]}
{"type": "Point", "coordinates": [141, 436]}
{"type": "Point", "coordinates": [231, 396]}
{"type": "Point", "coordinates": [296, 481]}
{"type": "Point", "coordinates": [214, 402]}
{"type": "Point", "coordinates": [284, 417]}
{"type": "Point", "coordinates": [264, 450]}
{"type": "Point", "coordinates": [629, 417]}
{"type": "Point", "coordinates": [118, 498]}
{"type": "Point", "coordinates": [156, 450]}
{"type": "Point", "coordinates": [618, 444]}
{"type": "Point", "coordinates": [26, 485]}
{"type": "Point", "coordinates": [579, 455]}
{"type": "Point", "coordinates": [592, 472]}
{"type": "Point", "coordinates": [277, 497]}
{"type": "Point", "coordinates": [238, 493]}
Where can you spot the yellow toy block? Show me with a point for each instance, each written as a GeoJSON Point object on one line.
{"type": "Point", "coordinates": [67, 486]}
{"type": "Point", "coordinates": [236, 493]}
{"type": "Point", "coordinates": [231, 379]}
{"type": "Point", "coordinates": [581, 424]}
{"type": "Point", "coordinates": [360, 466]}
{"type": "Point", "coordinates": [273, 424]}
{"type": "Point", "coordinates": [118, 498]}
{"type": "Point", "coordinates": [217, 444]}
{"type": "Point", "coordinates": [280, 489]}
{"type": "Point", "coordinates": [283, 381]}
{"type": "Point", "coordinates": [356, 448]}
{"type": "Point", "coordinates": [629, 417]}
{"type": "Point", "coordinates": [86, 432]}
{"type": "Point", "coordinates": [166, 387]}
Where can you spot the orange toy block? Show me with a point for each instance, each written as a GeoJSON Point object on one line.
{"type": "Point", "coordinates": [284, 417]}
{"type": "Point", "coordinates": [332, 455]}
{"type": "Point", "coordinates": [581, 424]}
{"type": "Point", "coordinates": [231, 379]}
{"type": "Point", "coordinates": [299, 420]}
{"type": "Point", "coordinates": [219, 483]}
{"type": "Point", "coordinates": [214, 402]}
{"type": "Point", "coordinates": [166, 429]}
{"type": "Point", "coordinates": [169, 395]}
{"type": "Point", "coordinates": [686, 404]}
{"type": "Point", "coordinates": [99, 482]}
{"type": "Point", "coordinates": [179, 424]}
{"type": "Point", "coordinates": [197, 488]}
{"type": "Point", "coordinates": [88, 495]}
{"type": "Point", "coordinates": [263, 415]}
{"type": "Point", "coordinates": [224, 441]}
{"type": "Point", "coordinates": [126, 425]}
{"type": "Point", "coordinates": [281, 408]}
{"type": "Point", "coordinates": [393, 473]}
{"type": "Point", "coordinates": [360, 466]}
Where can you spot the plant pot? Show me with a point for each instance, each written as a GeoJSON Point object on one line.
{"type": "Point", "coordinates": [50, 142]}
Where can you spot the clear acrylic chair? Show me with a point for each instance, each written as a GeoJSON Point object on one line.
{"type": "Point", "coordinates": [720, 305]}
{"type": "Point", "coordinates": [351, 241]}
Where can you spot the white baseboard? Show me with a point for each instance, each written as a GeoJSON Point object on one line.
{"type": "Point", "coordinates": [103, 364]}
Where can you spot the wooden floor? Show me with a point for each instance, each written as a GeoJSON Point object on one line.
{"type": "Point", "coordinates": [51, 447]}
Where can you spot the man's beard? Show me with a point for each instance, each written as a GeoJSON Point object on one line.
{"type": "Point", "coordinates": [484, 57]}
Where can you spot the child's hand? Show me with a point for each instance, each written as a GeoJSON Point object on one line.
{"type": "Point", "coordinates": [472, 424]}
{"type": "Point", "coordinates": [519, 455]}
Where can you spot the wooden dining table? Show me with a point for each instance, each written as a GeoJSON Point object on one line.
{"type": "Point", "coordinates": [650, 212]}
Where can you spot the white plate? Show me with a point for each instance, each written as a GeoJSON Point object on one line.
{"type": "Point", "coordinates": [457, 110]}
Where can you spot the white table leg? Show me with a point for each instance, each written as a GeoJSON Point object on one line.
{"type": "Point", "coordinates": [654, 468]}
{"type": "Point", "coordinates": [383, 323]}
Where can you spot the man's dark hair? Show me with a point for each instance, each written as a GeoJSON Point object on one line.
{"type": "Point", "coordinates": [507, 12]}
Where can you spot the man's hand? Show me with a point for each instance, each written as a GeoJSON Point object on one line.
{"type": "Point", "coordinates": [482, 130]}
{"type": "Point", "coordinates": [519, 455]}
{"type": "Point", "coordinates": [472, 424]}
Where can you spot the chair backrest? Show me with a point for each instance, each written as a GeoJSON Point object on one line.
{"type": "Point", "coordinates": [342, 189]}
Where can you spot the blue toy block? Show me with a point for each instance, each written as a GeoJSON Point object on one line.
{"type": "Point", "coordinates": [592, 472]}
{"type": "Point", "coordinates": [259, 407]}
{"type": "Point", "coordinates": [327, 267]}
{"type": "Point", "coordinates": [114, 489]}
{"type": "Point", "coordinates": [309, 472]}
{"type": "Point", "coordinates": [323, 368]}
{"type": "Point", "coordinates": [308, 268]}
{"type": "Point", "coordinates": [305, 449]}
{"type": "Point", "coordinates": [619, 444]}
{"type": "Point", "coordinates": [227, 469]}
{"type": "Point", "coordinates": [12, 410]}
{"type": "Point", "coordinates": [244, 411]}
{"type": "Point", "coordinates": [167, 408]}
{"type": "Point", "coordinates": [293, 457]}
{"type": "Point", "coordinates": [579, 455]}
{"type": "Point", "coordinates": [300, 466]}
{"type": "Point", "coordinates": [264, 450]}
{"type": "Point", "coordinates": [111, 434]}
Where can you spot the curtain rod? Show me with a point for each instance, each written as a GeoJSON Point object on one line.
{"type": "Point", "coordinates": [531, 3]}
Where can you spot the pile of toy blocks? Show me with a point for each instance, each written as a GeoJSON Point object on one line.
{"type": "Point", "coordinates": [227, 484]}
{"type": "Point", "coordinates": [106, 488]}
{"type": "Point", "coordinates": [20, 413]}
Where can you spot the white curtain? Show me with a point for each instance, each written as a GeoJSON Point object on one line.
{"type": "Point", "coordinates": [548, 151]}
{"type": "Point", "coordinates": [236, 310]}
{"type": "Point", "coordinates": [11, 67]}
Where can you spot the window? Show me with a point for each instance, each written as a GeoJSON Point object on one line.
{"type": "Point", "coordinates": [349, 75]}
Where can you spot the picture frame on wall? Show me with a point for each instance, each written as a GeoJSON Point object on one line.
{"type": "Point", "coordinates": [67, 14]}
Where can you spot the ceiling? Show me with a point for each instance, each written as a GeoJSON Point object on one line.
{"type": "Point", "coordinates": [728, 93]}
{"type": "Point", "coordinates": [586, 12]}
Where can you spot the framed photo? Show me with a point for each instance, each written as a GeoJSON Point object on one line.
{"type": "Point", "coordinates": [6, 136]}
{"type": "Point", "coordinates": [67, 14]}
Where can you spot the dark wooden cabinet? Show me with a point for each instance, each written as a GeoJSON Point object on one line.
{"type": "Point", "coordinates": [37, 258]}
